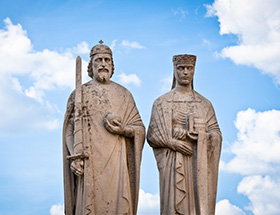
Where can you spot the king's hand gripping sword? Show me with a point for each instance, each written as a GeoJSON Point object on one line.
{"type": "Point", "coordinates": [78, 119]}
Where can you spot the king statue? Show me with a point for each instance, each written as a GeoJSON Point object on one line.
{"type": "Point", "coordinates": [186, 140]}
{"type": "Point", "coordinates": [103, 138]}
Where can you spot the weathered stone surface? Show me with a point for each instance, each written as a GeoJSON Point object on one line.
{"type": "Point", "coordinates": [186, 140]}
{"type": "Point", "coordinates": [103, 137]}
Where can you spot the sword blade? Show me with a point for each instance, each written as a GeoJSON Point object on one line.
{"type": "Point", "coordinates": [78, 122]}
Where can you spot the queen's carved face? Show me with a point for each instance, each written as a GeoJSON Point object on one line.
{"type": "Point", "coordinates": [102, 67]}
{"type": "Point", "coordinates": [184, 74]}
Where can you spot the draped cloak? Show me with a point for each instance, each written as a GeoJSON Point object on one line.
{"type": "Point", "coordinates": [188, 183]}
{"type": "Point", "coordinates": [110, 183]}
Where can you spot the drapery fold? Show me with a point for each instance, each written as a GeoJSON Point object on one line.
{"type": "Point", "coordinates": [180, 175]}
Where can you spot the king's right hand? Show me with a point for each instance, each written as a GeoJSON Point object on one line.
{"type": "Point", "coordinates": [77, 166]}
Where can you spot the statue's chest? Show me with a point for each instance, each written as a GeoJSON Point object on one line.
{"type": "Point", "coordinates": [183, 107]}
{"type": "Point", "coordinates": [98, 100]}
{"type": "Point", "coordinates": [181, 110]}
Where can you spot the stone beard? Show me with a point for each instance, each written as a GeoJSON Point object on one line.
{"type": "Point", "coordinates": [186, 140]}
{"type": "Point", "coordinates": [113, 138]}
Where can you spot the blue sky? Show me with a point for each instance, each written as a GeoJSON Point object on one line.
{"type": "Point", "coordinates": [237, 44]}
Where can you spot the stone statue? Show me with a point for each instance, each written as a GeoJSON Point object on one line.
{"type": "Point", "coordinates": [186, 140]}
{"type": "Point", "coordinates": [103, 137]}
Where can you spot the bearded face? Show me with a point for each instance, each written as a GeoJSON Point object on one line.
{"type": "Point", "coordinates": [102, 67]}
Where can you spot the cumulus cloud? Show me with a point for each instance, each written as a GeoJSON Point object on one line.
{"type": "Point", "coordinates": [256, 154]}
{"type": "Point", "coordinates": [19, 113]}
{"type": "Point", "coordinates": [132, 45]}
{"type": "Point", "coordinates": [224, 207]}
{"type": "Point", "coordinates": [47, 69]}
{"type": "Point", "coordinates": [257, 149]}
{"type": "Point", "coordinates": [129, 79]}
{"type": "Point", "coordinates": [263, 192]}
{"type": "Point", "coordinates": [125, 45]}
{"type": "Point", "coordinates": [149, 204]}
{"type": "Point", "coordinates": [57, 209]}
{"type": "Point", "coordinates": [81, 48]}
{"type": "Point", "coordinates": [27, 75]}
{"type": "Point", "coordinates": [257, 26]}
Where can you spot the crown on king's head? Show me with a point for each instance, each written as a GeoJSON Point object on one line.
{"type": "Point", "coordinates": [184, 59]}
{"type": "Point", "coordinates": [100, 49]}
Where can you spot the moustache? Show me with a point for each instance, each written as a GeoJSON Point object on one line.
{"type": "Point", "coordinates": [103, 69]}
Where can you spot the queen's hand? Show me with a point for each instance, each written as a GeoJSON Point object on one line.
{"type": "Point", "coordinates": [179, 133]}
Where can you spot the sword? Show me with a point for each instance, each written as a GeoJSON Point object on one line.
{"type": "Point", "coordinates": [78, 120]}
{"type": "Point", "coordinates": [78, 136]}
{"type": "Point", "coordinates": [77, 156]}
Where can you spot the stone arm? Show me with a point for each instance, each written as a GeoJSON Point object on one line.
{"type": "Point", "coordinates": [76, 164]}
{"type": "Point", "coordinates": [114, 126]}
{"type": "Point", "coordinates": [69, 124]}
{"type": "Point", "coordinates": [160, 134]}
{"type": "Point", "coordinates": [69, 134]}
{"type": "Point", "coordinates": [207, 125]}
{"type": "Point", "coordinates": [174, 144]}
{"type": "Point", "coordinates": [214, 132]}
{"type": "Point", "coordinates": [127, 124]}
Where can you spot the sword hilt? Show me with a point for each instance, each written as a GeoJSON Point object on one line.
{"type": "Point", "coordinates": [77, 156]}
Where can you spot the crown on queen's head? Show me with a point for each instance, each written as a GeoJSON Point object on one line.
{"type": "Point", "coordinates": [184, 59]}
{"type": "Point", "coordinates": [100, 49]}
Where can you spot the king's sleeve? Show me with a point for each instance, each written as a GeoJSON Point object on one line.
{"type": "Point", "coordinates": [69, 124]}
{"type": "Point", "coordinates": [132, 118]}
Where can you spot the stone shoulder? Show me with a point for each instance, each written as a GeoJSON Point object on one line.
{"type": "Point", "coordinates": [164, 97]}
{"type": "Point", "coordinates": [168, 97]}
{"type": "Point", "coordinates": [121, 88]}
{"type": "Point", "coordinates": [202, 98]}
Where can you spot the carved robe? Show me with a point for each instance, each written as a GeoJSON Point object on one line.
{"type": "Point", "coordinates": [110, 182]}
{"type": "Point", "coordinates": [188, 183]}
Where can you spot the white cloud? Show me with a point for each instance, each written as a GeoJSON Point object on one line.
{"type": "Point", "coordinates": [15, 84]}
{"type": "Point", "coordinates": [36, 94]}
{"type": "Point", "coordinates": [27, 76]}
{"type": "Point", "coordinates": [263, 192]}
{"type": "Point", "coordinates": [180, 13]}
{"type": "Point", "coordinates": [81, 48]}
{"type": "Point", "coordinates": [257, 26]}
{"type": "Point", "coordinates": [47, 69]}
{"type": "Point", "coordinates": [257, 155]}
{"type": "Point", "coordinates": [132, 45]}
{"type": "Point", "coordinates": [149, 204]}
{"type": "Point", "coordinates": [224, 207]}
{"type": "Point", "coordinates": [129, 79]}
{"type": "Point", "coordinates": [57, 210]}
{"type": "Point", "coordinates": [113, 44]}
{"type": "Point", "coordinates": [20, 113]}
{"type": "Point", "coordinates": [257, 149]}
